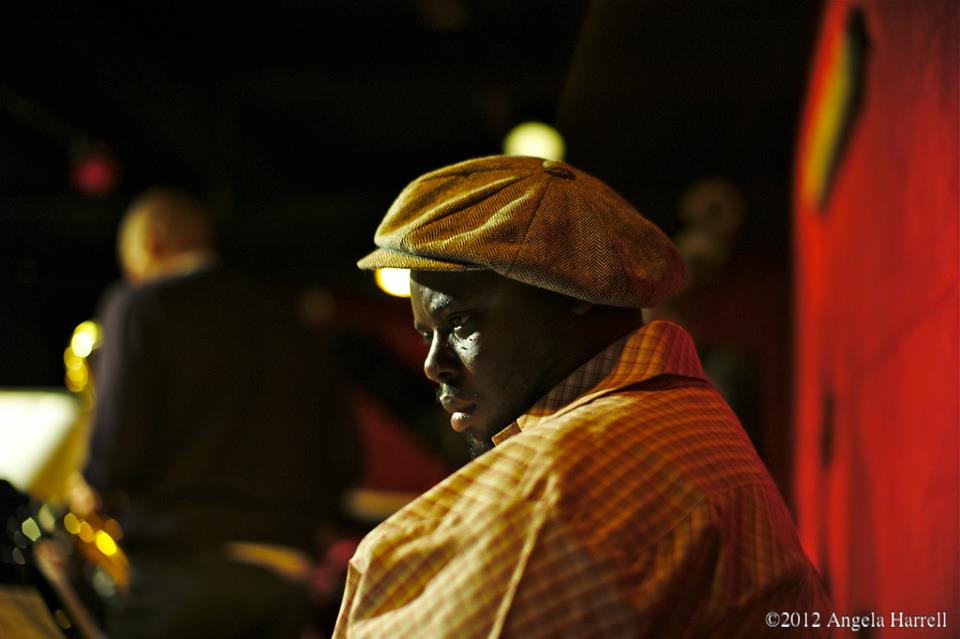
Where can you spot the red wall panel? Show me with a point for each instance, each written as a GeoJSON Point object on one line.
{"type": "Point", "coordinates": [877, 324]}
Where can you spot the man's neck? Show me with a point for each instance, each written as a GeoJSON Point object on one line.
{"type": "Point", "coordinates": [183, 263]}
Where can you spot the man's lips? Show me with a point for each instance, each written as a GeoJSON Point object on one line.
{"type": "Point", "coordinates": [460, 411]}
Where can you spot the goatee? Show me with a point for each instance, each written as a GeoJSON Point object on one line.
{"type": "Point", "coordinates": [477, 446]}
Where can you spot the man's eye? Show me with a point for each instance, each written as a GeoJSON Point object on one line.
{"type": "Point", "coordinates": [427, 338]}
{"type": "Point", "coordinates": [458, 320]}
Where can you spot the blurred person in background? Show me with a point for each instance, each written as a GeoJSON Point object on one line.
{"type": "Point", "coordinates": [219, 440]}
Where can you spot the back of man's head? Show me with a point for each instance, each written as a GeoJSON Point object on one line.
{"type": "Point", "coordinates": [163, 231]}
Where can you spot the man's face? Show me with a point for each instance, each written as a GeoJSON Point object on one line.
{"type": "Point", "coordinates": [493, 346]}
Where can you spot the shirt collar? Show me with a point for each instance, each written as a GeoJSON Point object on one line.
{"type": "Point", "coordinates": [659, 348]}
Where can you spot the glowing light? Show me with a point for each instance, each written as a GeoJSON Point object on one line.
{"type": "Point", "coordinates": [535, 139]}
{"type": "Point", "coordinates": [62, 619]}
{"type": "Point", "coordinates": [112, 526]}
{"type": "Point", "coordinates": [103, 583]}
{"type": "Point", "coordinates": [95, 172]}
{"type": "Point", "coordinates": [33, 425]}
{"type": "Point", "coordinates": [86, 532]}
{"type": "Point", "coordinates": [394, 281]}
{"type": "Point", "coordinates": [30, 529]}
{"type": "Point", "coordinates": [77, 378]}
{"type": "Point", "coordinates": [71, 523]}
{"type": "Point", "coordinates": [106, 544]}
{"type": "Point", "coordinates": [86, 337]}
{"type": "Point", "coordinates": [47, 521]}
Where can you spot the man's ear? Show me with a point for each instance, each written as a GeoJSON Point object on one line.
{"type": "Point", "coordinates": [580, 307]}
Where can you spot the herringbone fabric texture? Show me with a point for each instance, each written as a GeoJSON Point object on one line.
{"type": "Point", "coordinates": [627, 503]}
{"type": "Point", "coordinates": [539, 222]}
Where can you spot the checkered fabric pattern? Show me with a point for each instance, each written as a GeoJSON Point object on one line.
{"type": "Point", "coordinates": [628, 502]}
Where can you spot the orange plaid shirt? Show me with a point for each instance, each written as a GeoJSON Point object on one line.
{"type": "Point", "coordinates": [628, 502]}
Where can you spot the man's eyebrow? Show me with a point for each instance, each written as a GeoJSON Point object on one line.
{"type": "Point", "coordinates": [434, 314]}
{"type": "Point", "coordinates": [445, 302]}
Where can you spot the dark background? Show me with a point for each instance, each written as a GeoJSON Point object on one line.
{"type": "Point", "coordinates": [300, 123]}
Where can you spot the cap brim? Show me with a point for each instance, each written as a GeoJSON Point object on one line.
{"type": "Point", "coordinates": [389, 258]}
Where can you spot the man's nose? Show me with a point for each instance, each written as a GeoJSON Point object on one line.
{"type": "Point", "coordinates": [441, 362]}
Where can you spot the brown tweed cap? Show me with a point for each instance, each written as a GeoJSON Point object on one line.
{"type": "Point", "coordinates": [539, 222]}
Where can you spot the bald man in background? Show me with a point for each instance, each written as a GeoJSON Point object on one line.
{"type": "Point", "coordinates": [218, 439]}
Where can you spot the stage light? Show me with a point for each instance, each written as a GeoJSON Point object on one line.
{"type": "Point", "coordinates": [86, 337]}
{"type": "Point", "coordinates": [94, 171]}
{"type": "Point", "coordinates": [103, 583]}
{"type": "Point", "coordinates": [62, 619]}
{"type": "Point", "coordinates": [112, 528]}
{"type": "Point", "coordinates": [30, 529]}
{"type": "Point", "coordinates": [47, 520]}
{"type": "Point", "coordinates": [86, 532]}
{"type": "Point", "coordinates": [77, 377]}
{"type": "Point", "coordinates": [394, 281]}
{"type": "Point", "coordinates": [33, 425]}
{"type": "Point", "coordinates": [71, 523]}
{"type": "Point", "coordinates": [105, 543]}
{"type": "Point", "coordinates": [535, 139]}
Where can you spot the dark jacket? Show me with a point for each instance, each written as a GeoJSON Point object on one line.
{"type": "Point", "coordinates": [218, 416]}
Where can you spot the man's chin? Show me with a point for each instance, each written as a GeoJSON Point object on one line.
{"type": "Point", "coordinates": [477, 444]}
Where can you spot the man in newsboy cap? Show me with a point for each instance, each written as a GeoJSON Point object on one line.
{"type": "Point", "coordinates": [618, 495]}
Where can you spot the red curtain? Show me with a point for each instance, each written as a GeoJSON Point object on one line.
{"type": "Point", "coordinates": [877, 389]}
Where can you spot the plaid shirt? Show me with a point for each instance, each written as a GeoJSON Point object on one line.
{"type": "Point", "coordinates": [628, 502]}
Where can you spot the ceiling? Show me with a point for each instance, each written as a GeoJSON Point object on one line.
{"type": "Point", "coordinates": [301, 121]}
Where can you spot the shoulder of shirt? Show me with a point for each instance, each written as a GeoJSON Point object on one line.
{"type": "Point", "coordinates": [621, 451]}
{"type": "Point", "coordinates": [165, 289]}
{"type": "Point", "coordinates": [658, 453]}
{"type": "Point", "coordinates": [141, 305]}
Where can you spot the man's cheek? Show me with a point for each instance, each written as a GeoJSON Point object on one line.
{"type": "Point", "coordinates": [468, 351]}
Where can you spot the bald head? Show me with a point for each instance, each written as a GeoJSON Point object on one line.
{"type": "Point", "coordinates": [163, 231]}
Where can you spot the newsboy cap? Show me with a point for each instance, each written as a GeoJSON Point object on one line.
{"type": "Point", "coordinates": [540, 222]}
